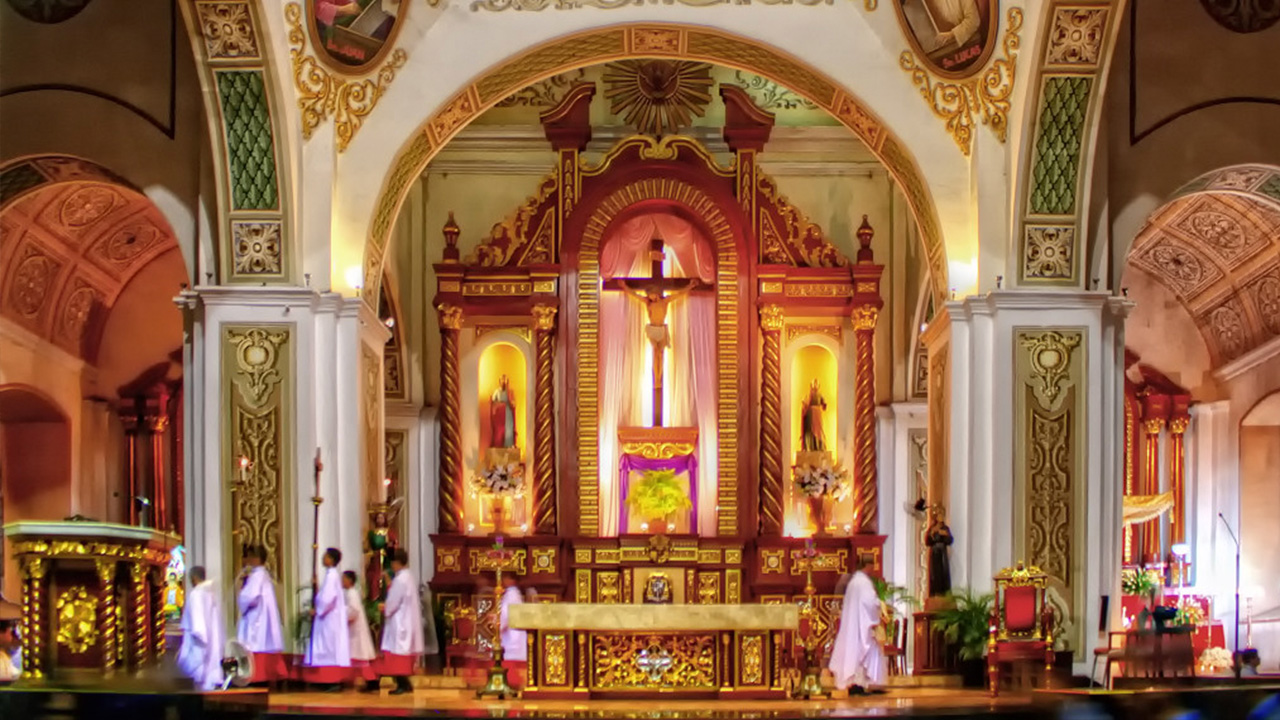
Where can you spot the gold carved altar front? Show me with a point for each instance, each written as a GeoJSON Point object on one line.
{"type": "Point", "coordinates": [578, 650]}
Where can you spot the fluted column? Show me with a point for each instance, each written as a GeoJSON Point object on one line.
{"type": "Point", "coordinates": [450, 421]}
{"type": "Point", "coordinates": [1177, 478]}
{"type": "Point", "coordinates": [544, 434]}
{"type": "Point", "coordinates": [157, 424]}
{"type": "Point", "coordinates": [1151, 486]}
{"type": "Point", "coordinates": [107, 612]}
{"type": "Point", "coordinates": [133, 428]}
{"type": "Point", "coordinates": [865, 499]}
{"type": "Point", "coordinates": [771, 488]}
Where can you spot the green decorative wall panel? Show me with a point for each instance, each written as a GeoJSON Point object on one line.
{"type": "Point", "coordinates": [250, 146]}
{"type": "Point", "coordinates": [18, 179]}
{"type": "Point", "coordinates": [1271, 188]}
{"type": "Point", "coordinates": [1057, 153]}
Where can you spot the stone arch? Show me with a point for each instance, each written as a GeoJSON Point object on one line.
{"type": "Point", "coordinates": [651, 40]}
{"type": "Point", "coordinates": [73, 235]}
{"type": "Point", "coordinates": [1215, 244]}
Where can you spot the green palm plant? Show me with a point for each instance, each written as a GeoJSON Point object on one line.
{"type": "Point", "coordinates": [966, 622]}
{"type": "Point", "coordinates": [658, 495]}
{"type": "Point", "coordinates": [894, 595]}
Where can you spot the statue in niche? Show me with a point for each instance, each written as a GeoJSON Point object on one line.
{"type": "Point", "coordinates": [502, 416]}
{"type": "Point", "coordinates": [939, 541]}
{"type": "Point", "coordinates": [381, 543]}
{"type": "Point", "coordinates": [812, 437]}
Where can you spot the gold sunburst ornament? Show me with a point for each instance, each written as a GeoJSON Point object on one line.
{"type": "Point", "coordinates": [658, 97]}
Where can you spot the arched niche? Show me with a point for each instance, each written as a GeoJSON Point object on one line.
{"type": "Point", "coordinates": [35, 464]}
{"type": "Point", "coordinates": [493, 353]}
{"type": "Point", "coordinates": [1260, 493]}
{"type": "Point", "coordinates": [815, 351]}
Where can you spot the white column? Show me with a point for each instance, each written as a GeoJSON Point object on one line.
{"type": "Point", "coordinates": [1214, 488]}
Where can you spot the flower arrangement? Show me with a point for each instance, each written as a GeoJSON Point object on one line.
{"type": "Point", "coordinates": [1215, 658]}
{"type": "Point", "coordinates": [822, 480]}
{"type": "Point", "coordinates": [1143, 583]}
{"type": "Point", "coordinates": [658, 495]}
{"type": "Point", "coordinates": [1189, 613]}
{"type": "Point", "coordinates": [501, 479]}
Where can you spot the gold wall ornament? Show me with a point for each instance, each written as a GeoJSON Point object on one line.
{"type": "Point", "coordinates": [835, 332]}
{"type": "Point", "coordinates": [771, 479]}
{"type": "Point", "coordinates": [796, 240]}
{"type": "Point", "coordinates": [545, 94]}
{"type": "Point", "coordinates": [751, 650]}
{"type": "Point", "coordinates": [771, 318]}
{"type": "Point", "coordinates": [450, 317]}
{"type": "Point", "coordinates": [228, 30]}
{"type": "Point", "coordinates": [257, 367]}
{"type": "Point", "coordinates": [323, 94]}
{"type": "Point", "coordinates": [708, 588]}
{"type": "Point", "coordinates": [372, 439]}
{"type": "Point", "coordinates": [1049, 353]}
{"type": "Point", "coordinates": [484, 561]}
{"type": "Point", "coordinates": [625, 661]}
{"type": "Point", "coordinates": [544, 422]}
{"type": "Point", "coordinates": [544, 317]}
{"type": "Point", "coordinates": [658, 97]}
{"type": "Point", "coordinates": [540, 5]}
{"type": "Point", "coordinates": [77, 619]}
{"type": "Point", "coordinates": [986, 96]}
{"type": "Point", "coordinates": [554, 659]}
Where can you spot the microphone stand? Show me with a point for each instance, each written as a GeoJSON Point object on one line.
{"type": "Point", "coordinates": [1236, 660]}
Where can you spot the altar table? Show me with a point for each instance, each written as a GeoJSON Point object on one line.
{"type": "Point", "coordinates": [624, 650]}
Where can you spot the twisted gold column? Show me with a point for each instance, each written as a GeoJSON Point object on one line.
{"type": "Point", "coordinates": [450, 421]}
{"type": "Point", "coordinates": [865, 500]}
{"type": "Point", "coordinates": [107, 612]}
{"type": "Point", "coordinates": [141, 623]}
{"type": "Point", "coordinates": [1151, 486]}
{"type": "Point", "coordinates": [1130, 463]}
{"type": "Point", "coordinates": [771, 488]}
{"type": "Point", "coordinates": [544, 434]}
{"type": "Point", "coordinates": [158, 642]}
{"type": "Point", "coordinates": [33, 618]}
{"type": "Point", "coordinates": [1177, 479]}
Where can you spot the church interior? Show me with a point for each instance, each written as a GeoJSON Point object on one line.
{"type": "Point", "coordinates": [706, 310]}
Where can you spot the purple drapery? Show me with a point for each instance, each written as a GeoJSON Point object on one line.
{"type": "Point", "coordinates": [635, 463]}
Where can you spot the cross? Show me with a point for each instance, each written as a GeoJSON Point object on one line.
{"type": "Point", "coordinates": [656, 292]}
{"type": "Point", "coordinates": [654, 661]}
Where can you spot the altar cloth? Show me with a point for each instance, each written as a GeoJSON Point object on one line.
{"type": "Point", "coordinates": [646, 618]}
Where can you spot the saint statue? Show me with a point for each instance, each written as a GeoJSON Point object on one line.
{"type": "Point", "coordinates": [382, 543]}
{"type": "Point", "coordinates": [502, 416]}
{"type": "Point", "coordinates": [811, 409]}
{"type": "Point", "coordinates": [938, 540]}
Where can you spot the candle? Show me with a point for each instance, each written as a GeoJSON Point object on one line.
{"type": "Point", "coordinates": [244, 470]}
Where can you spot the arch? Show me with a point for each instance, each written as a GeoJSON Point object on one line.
{"type": "Point", "coordinates": [650, 40]}
{"type": "Point", "coordinates": [75, 235]}
{"type": "Point", "coordinates": [33, 485]}
{"type": "Point", "coordinates": [1215, 244]}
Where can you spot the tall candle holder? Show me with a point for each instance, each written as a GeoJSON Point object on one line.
{"type": "Point", "coordinates": [497, 685]}
{"type": "Point", "coordinates": [811, 683]}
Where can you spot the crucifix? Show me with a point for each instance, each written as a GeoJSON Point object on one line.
{"type": "Point", "coordinates": [657, 293]}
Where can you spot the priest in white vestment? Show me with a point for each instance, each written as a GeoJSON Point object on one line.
{"type": "Point", "coordinates": [362, 652]}
{"type": "Point", "coordinates": [200, 657]}
{"type": "Point", "coordinates": [857, 660]}
{"type": "Point", "coordinates": [402, 627]}
{"type": "Point", "coordinates": [259, 629]}
{"type": "Point", "coordinates": [328, 658]}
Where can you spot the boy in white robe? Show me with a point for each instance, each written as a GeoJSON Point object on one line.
{"type": "Point", "coordinates": [259, 628]}
{"type": "Point", "coordinates": [857, 660]}
{"type": "Point", "coordinates": [328, 657]}
{"type": "Point", "coordinates": [9, 671]}
{"type": "Point", "coordinates": [402, 628]}
{"type": "Point", "coordinates": [362, 652]}
{"type": "Point", "coordinates": [200, 657]}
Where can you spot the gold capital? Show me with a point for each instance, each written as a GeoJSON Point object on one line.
{"type": "Point", "coordinates": [864, 317]}
{"type": "Point", "coordinates": [450, 317]}
{"type": "Point", "coordinates": [1153, 425]}
{"type": "Point", "coordinates": [544, 317]}
{"type": "Point", "coordinates": [771, 318]}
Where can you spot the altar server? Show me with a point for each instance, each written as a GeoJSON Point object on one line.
{"type": "Point", "coordinates": [362, 652]}
{"type": "Point", "coordinates": [402, 627]}
{"type": "Point", "coordinates": [857, 660]}
{"type": "Point", "coordinates": [259, 628]}
{"type": "Point", "coordinates": [200, 657]}
{"type": "Point", "coordinates": [328, 658]}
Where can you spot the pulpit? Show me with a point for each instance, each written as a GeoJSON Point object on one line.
{"type": "Point", "coordinates": [657, 650]}
{"type": "Point", "coordinates": [92, 596]}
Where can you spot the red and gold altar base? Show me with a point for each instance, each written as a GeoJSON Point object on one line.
{"type": "Point", "coordinates": [92, 596]}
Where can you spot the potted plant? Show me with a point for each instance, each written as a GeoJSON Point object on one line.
{"type": "Point", "coordinates": [657, 497]}
{"type": "Point", "coordinates": [966, 624]}
{"type": "Point", "coordinates": [822, 484]}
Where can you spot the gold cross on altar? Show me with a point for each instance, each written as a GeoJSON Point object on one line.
{"type": "Point", "coordinates": [657, 292]}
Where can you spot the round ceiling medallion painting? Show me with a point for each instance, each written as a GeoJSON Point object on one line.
{"type": "Point", "coordinates": [353, 35]}
{"type": "Point", "coordinates": [1243, 16]}
{"type": "Point", "coordinates": [48, 12]}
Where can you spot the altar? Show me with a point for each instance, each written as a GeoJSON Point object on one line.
{"type": "Point", "coordinates": [724, 651]}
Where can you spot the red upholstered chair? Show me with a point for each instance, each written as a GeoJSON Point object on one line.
{"type": "Point", "coordinates": [1021, 622]}
{"type": "Point", "coordinates": [462, 642]}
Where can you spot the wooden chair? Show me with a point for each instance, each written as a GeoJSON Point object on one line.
{"type": "Point", "coordinates": [462, 623]}
{"type": "Point", "coordinates": [896, 651]}
{"type": "Point", "coordinates": [1021, 622]}
{"type": "Point", "coordinates": [1110, 654]}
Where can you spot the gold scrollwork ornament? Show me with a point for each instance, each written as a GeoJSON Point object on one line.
{"type": "Point", "coordinates": [986, 95]}
{"type": "Point", "coordinates": [77, 620]}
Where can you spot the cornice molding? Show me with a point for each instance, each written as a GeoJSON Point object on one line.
{"type": "Point", "coordinates": [1249, 360]}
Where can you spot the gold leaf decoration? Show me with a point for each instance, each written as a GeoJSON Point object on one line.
{"type": "Point", "coordinates": [322, 94]}
{"type": "Point", "coordinates": [659, 97]}
{"type": "Point", "coordinates": [986, 96]}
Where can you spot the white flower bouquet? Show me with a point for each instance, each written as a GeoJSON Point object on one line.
{"type": "Point", "coordinates": [503, 479]}
{"type": "Point", "coordinates": [1215, 659]}
{"type": "Point", "coordinates": [821, 480]}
